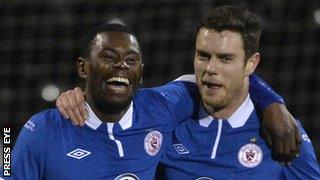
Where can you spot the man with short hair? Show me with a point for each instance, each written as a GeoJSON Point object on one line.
{"type": "Point", "coordinates": [126, 130]}
{"type": "Point", "coordinates": [222, 141]}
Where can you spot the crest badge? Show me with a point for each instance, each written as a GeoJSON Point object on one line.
{"type": "Point", "coordinates": [152, 142]}
{"type": "Point", "coordinates": [250, 155]}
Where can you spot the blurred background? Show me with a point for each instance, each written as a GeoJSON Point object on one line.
{"type": "Point", "coordinates": [40, 41]}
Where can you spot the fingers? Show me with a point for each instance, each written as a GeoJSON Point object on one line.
{"type": "Point", "coordinates": [66, 107]}
{"type": "Point", "coordinates": [74, 108]}
{"type": "Point", "coordinates": [71, 105]}
{"type": "Point", "coordinates": [281, 126]}
{"type": "Point", "coordinates": [290, 149]}
{"type": "Point", "coordinates": [59, 105]}
{"type": "Point", "coordinates": [295, 139]}
{"type": "Point", "coordinates": [298, 141]}
{"type": "Point", "coordinates": [278, 151]}
{"type": "Point", "coordinates": [285, 148]}
{"type": "Point", "coordinates": [80, 103]}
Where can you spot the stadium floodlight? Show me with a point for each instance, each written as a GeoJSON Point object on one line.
{"type": "Point", "coordinates": [317, 16]}
{"type": "Point", "coordinates": [50, 92]}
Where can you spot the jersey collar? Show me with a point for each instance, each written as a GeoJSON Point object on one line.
{"type": "Point", "coordinates": [237, 119]}
{"type": "Point", "coordinates": [94, 122]}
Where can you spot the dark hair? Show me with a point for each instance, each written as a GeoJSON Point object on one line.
{"type": "Point", "coordinates": [237, 19]}
{"type": "Point", "coordinates": [87, 40]}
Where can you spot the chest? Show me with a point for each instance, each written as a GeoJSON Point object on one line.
{"type": "Point", "coordinates": [220, 152]}
{"type": "Point", "coordinates": [87, 154]}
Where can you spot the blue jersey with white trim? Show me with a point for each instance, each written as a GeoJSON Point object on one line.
{"type": "Point", "coordinates": [50, 147]}
{"type": "Point", "coordinates": [207, 148]}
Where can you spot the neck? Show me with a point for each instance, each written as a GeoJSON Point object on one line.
{"type": "Point", "coordinates": [236, 100]}
{"type": "Point", "coordinates": [105, 115]}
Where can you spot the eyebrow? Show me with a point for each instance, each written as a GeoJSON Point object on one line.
{"type": "Point", "coordinates": [231, 55]}
{"type": "Point", "coordinates": [203, 53]}
{"type": "Point", "coordinates": [115, 52]}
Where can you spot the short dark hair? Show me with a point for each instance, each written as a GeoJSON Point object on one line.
{"type": "Point", "coordinates": [87, 40]}
{"type": "Point", "coordinates": [237, 19]}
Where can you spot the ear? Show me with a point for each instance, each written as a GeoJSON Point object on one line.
{"type": "Point", "coordinates": [83, 67]}
{"type": "Point", "coordinates": [252, 63]}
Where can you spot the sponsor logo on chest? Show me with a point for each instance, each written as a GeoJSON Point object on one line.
{"type": "Point", "coordinates": [78, 153]}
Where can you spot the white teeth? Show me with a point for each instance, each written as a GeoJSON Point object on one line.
{"type": "Point", "coordinates": [119, 79]}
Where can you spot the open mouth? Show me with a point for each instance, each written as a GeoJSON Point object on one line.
{"type": "Point", "coordinates": [117, 83]}
{"type": "Point", "coordinates": [210, 85]}
{"type": "Point", "coordinates": [120, 81]}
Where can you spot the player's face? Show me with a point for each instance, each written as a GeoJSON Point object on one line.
{"type": "Point", "coordinates": [220, 67]}
{"type": "Point", "coordinates": [115, 69]}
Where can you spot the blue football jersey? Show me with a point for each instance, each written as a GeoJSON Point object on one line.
{"type": "Point", "coordinates": [208, 148]}
{"type": "Point", "coordinates": [50, 147]}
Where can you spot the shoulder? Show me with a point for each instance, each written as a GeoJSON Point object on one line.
{"type": "Point", "coordinates": [184, 85]}
{"type": "Point", "coordinates": [306, 165]}
{"type": "Point", "coordinates": [306, 150]}
{"type": "Point", "coordinates": [43, 120]}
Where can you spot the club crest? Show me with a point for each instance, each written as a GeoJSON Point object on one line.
{"type": "Point", "coordinates": [250, 155]}
{"type": "Point", "coordinates": [153, 142]}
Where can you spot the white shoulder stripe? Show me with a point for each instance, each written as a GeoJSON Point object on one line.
{"type": "Point", "coordinates": [187, 77]}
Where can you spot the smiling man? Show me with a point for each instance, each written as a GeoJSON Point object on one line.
{"type": "Point", "coordinates": [126, 130]}
{"type": "Point", "coordinates": [223, 141]}
{"type": "Point", "coordinates": [122, 138]}
{"type": "Point", "coordinates": [112, 69]}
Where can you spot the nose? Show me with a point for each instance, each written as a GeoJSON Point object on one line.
{"type": "Point", "coordinates": [122, 64]}
{"type": "Point", "coordinates": [211, 67]}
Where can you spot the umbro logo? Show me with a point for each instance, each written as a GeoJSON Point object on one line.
{"type": "Point", "coordinates": [78, 153]}
{"type": "Point", "coordinates": [180, 149]}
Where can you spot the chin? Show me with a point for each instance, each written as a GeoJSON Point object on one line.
{"type": "Point", "coordinates": [111, 105]}
{"type": "Point", "coordinates": [215, 103]}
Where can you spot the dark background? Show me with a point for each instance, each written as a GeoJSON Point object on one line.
{"type": "Point", "coordinates": [40, 41]}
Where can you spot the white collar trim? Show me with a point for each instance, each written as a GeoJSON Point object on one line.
{"type": "Point", "coordinates": [204, 118]}
{"type": "Point", "coordinates": [237, 119]}
{"type": "Point", "coordinates": [240, 117]}
{"type": "Point", "coordinates": [94, 122]}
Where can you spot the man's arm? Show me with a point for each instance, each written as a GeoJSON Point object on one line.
{"type": "Point", "coordinates": [27, 161]}
{"type": "Point", "coordinates": [278, 127]}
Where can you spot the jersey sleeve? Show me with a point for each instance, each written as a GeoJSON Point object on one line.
{"type": "Point", "coordinates": [28, 153]}
{"type": "Point", "coordinates": [305, 166]}
{"type": "Point", "coordinates": [262, 93]}
{"type": "Point", "coordinates": [180, 96]}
